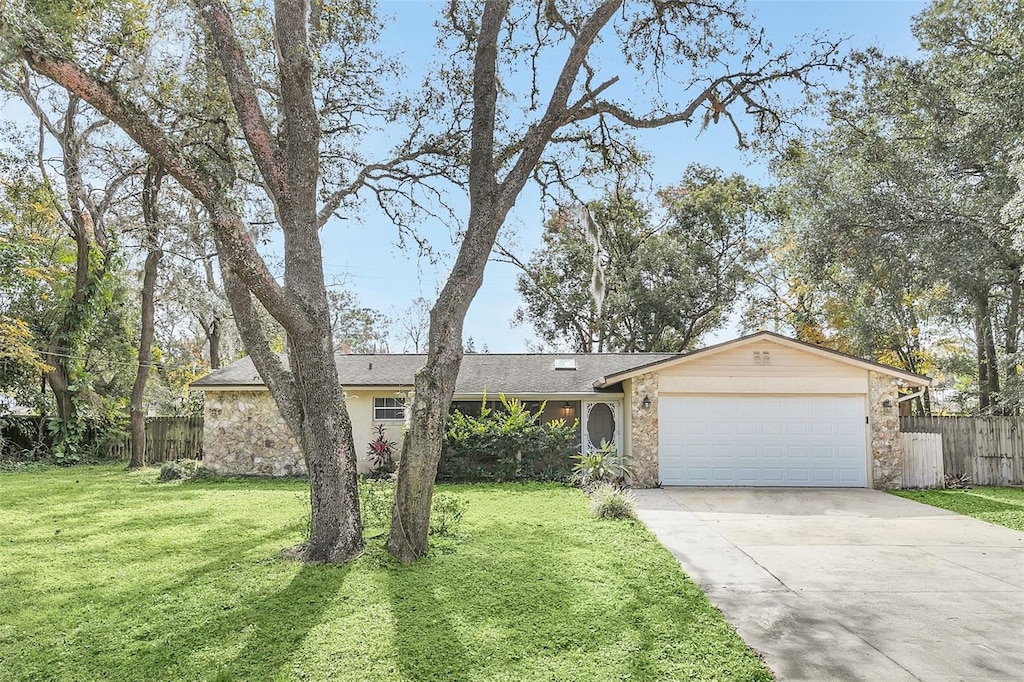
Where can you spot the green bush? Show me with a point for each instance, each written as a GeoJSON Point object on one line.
{"type": "Point", "coordinates": [603, 465]}
{"type": "Point", "coordinates": [169, 471]}
{"type": "Point", "coordinates": [506, 445]}
{"type": "Point", "coordinates": [377, 498]}
{"type": "Point", "coordinates": [446, 512]}
{"type": "Point", "coordinates": [610, 502]}
{"type": "Point", "coordinates": [182, 469]}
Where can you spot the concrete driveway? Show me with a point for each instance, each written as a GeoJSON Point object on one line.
{"type": "Point", "coordinates": [852, 584]}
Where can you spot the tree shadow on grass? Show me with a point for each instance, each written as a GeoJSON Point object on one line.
{"type": "Point", "coordinates": [518, 610]}
{"type": "Point", "coordinates": [426, 643]}
{"type": "Point", "coordinates": [280, 622]}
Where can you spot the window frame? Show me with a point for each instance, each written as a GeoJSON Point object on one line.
{"type": "Point", "coordinates": [381, 405]}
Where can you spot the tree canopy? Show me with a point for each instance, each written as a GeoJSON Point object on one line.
{"type": "Point", "coordinates": [669, 275]}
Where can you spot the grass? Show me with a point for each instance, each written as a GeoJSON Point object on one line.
{"type": "Point", "coordinates": [108, 575]}
{"type": "Point", "coordinates": [1002, 506]}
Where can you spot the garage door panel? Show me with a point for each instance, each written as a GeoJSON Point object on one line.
{"type": "Point", "coordinates": [768, 441]}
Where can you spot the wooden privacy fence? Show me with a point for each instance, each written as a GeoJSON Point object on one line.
{"type": "Point", "coordinates": [988, 449]}
{"type": "Point", "coordinates": [922, 460]}
{"type": "Point", "coordinates": [167, 439]}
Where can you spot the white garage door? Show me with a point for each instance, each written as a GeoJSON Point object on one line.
{"type": "Point", "coordinates": [762, 441]}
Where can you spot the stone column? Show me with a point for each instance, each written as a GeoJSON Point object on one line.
{"type": "Point", "coordinates": [644, 433]}
{"type": "Point", "coordinates": [886, 446]}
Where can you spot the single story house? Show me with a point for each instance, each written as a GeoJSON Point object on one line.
{"type": "Point", "coordinates": [761, 410]}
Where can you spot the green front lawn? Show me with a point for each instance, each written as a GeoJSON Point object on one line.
{"type": "Point", "coordinates": [1004, 506]}
{"type": "Point", "coordinates": [108, 575]}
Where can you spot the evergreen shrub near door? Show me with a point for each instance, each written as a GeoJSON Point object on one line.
{"type": "Point", "coordinates": [507, 444]}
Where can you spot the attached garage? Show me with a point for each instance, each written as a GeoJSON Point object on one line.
{"type": "Point", "coordinates": [765, 410]}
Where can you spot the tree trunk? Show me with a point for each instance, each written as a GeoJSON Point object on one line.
{"type": "Point", "coordinates": [150, 196]}
{"type": "Point", "coordinates": [988, 364]}
{"type": "Point", "coordinates": [433, 388]}
{"type": "Point", "coordinates": [1011, 333]}
{"type": "Point", "coordinates": [490, 202]}
{"type": "Point", "coordinates": [214, 339]}
{"type": "Point", "coordinates": [326, 437]}
{"type": "Point", "coordinates": [58, 380]}
{"type": "Point", "coordinates": [213, 329]}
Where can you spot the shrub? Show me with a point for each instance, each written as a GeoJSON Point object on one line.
{"type": "Point", "coordinates": [603, 465]}
{"type": "Point", "coordinates": [377, 498]}
{"type": "Point", "coordinates": [201, 473]}
{"type": "Point", "coordinates": [182, 469]}
{"type": "Point", "coordinates": [382, 452]}
{"type": "Point", "coordinates": [609, 502]}
{"type": "Point", "coordinates": [446, 512]}
{"type": "Point", "coordinates": [507, 444]}
{"type": "Point", "coordinates": [169, 471]}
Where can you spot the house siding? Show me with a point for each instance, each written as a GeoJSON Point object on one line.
{"type": "Point", "coordinates": [244, 435]}
{"type": "Point", "coordinates": [784, 361]}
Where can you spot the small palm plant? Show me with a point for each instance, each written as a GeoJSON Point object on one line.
{"type": "Point", "coordinates": [603, 465]}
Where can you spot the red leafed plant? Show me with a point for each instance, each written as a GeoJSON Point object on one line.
{"type": "Point", "coordinates": [382, 452]}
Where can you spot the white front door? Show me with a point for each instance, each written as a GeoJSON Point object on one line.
{"type": "Point", "coordinates": [762, 441]}
{"type": "Point", "coordinates": [601, 421]}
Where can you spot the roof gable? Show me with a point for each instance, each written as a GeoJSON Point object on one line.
{"type": "Point", "coordinates": [753, 339]}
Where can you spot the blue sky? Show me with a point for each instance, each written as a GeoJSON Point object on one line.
{"type": "Point", "coordinates": [387, 278]}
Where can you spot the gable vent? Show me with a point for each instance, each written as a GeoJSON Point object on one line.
{"type": "Point", "coordinates": [762, 358]}
{"type": "Point", "coordinates": [565, 364]}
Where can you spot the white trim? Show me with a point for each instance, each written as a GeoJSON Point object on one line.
{"type": "Point", "coordinates": [617, 422]}
{"type": "Point", "coordinates": [253, 388]}
{"type": "Point", "coordinates": [385, 420]}
{"type": "Point", "coordinates": [910, 396]}
{"type": "Point", "coordinates": [538, 396]}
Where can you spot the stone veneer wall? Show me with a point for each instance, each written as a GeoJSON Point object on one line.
{"type": "Point", "coordinates": [243, 434]}
{"type": "Point", "coordinates": [645, 431]}
{"type": "Point", "coordinates": [886, 446]}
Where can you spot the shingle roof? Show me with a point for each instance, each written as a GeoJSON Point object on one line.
{"type": "Point", "coordinates": [516, 374]}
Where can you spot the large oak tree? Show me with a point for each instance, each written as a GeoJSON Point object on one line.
{"type": "Point", "coordinates": [693, 63]}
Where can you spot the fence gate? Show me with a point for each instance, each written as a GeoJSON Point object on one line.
{"type": "Point", "coordinates": [922, 460]}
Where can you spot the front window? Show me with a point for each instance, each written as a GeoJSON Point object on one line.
{"type": "Point", "coordinates": [388, 409]}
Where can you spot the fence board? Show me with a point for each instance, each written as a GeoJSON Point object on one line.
{"type": "Point", "coordinates": [922, 460]}
{"type": "Point", "coordinates": [990, 450]}
{"type": "Point", "coordinates": [167, 439]}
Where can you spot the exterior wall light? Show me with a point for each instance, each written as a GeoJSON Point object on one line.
{"type": "Point", "coordinates": [567, 409]}
{"type": "Point", "coordinates": [645, 403]}
{"type": "Point", "coordinates": [886, 403]}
